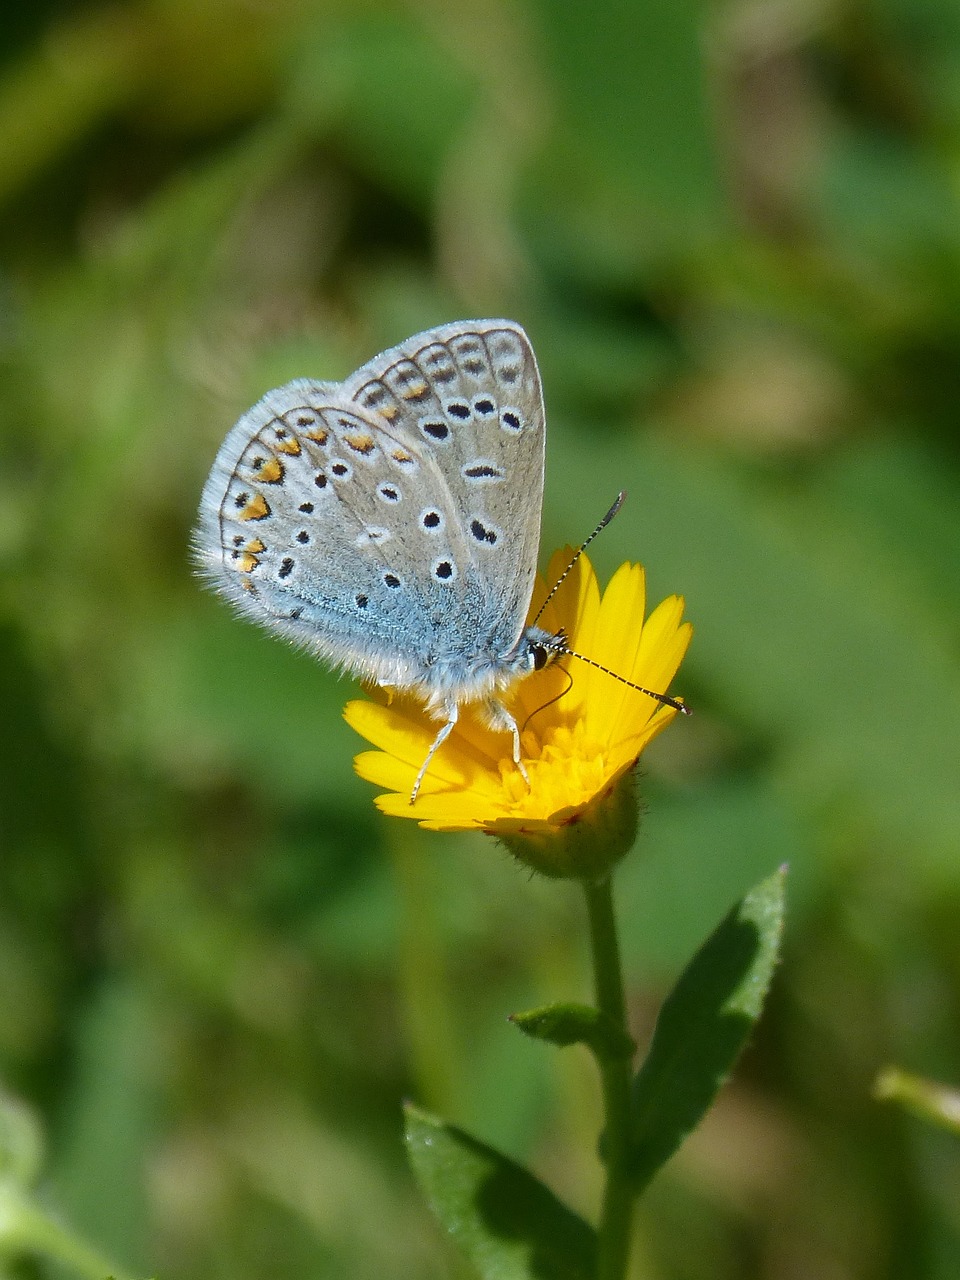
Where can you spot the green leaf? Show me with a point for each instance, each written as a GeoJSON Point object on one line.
{"type": "Point", "coordinates": [569, 1023]}
{"type": "Point", "coordinates": [509, 1225]}
{"type": "Point", "coordinates": [704, 1024]}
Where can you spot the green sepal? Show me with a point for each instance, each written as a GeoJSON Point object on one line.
{"type": "Point", "coordinates": [506, 1222]}
{"type": "Point", "coordinates": [570, 1023]}
{"type": "Point", "coordinates": [703, 1025]}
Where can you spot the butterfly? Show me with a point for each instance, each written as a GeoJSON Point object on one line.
{"type": "Point", "coordinates": [390, 523]}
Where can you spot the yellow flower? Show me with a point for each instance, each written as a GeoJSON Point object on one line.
{"type": "Point", "coordinates": [582, 732]}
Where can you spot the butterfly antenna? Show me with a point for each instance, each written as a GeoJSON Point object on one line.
{"type": "Point", "coordinates": [577, 554]}
{"type": "Point", "coordinates": [561, 648]}
{"type": "Point", "coordinates": [564, 651]}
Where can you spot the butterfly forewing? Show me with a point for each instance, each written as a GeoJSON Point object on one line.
{"type": "Point", "coordinates": [469, 395]}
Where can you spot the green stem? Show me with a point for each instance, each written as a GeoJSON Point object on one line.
{"type": "Point", "coordinates": [618, 1194]}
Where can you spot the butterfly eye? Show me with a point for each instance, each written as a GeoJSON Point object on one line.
{"type": "Point", "coordinates": [540, 656]}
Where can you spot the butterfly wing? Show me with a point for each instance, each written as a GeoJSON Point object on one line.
{"type": "Point", "coordinates": [389, 523]}
{"type": "Point", "coordinates": [469, 396]}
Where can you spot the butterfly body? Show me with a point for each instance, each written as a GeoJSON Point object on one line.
{"type": "Point", "coordinates": [390, 523]}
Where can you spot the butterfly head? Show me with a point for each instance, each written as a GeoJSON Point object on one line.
{"type": "Point", "coordinates": [543, 648]}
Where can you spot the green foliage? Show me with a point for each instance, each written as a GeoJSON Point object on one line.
{"type": "Point", "coordinates": [502, 1218]}
{"type": "Point", "coordinates": [703, 1025]}
{"type": "Point", "coordinates": [567, 1023]}
{"type": "Point", "coordinates": [505, 1221]}
{"type": "Point", "coordinates": [732, 233]}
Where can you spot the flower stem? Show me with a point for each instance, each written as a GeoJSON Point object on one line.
{"type": "Point", "coordinates": [618, 1194]}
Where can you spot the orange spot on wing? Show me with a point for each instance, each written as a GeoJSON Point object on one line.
{"type": "Point", "coordinates": [291, 447]}
{"type": "Point", "coordinates": [361, 443]}
{"type": "Point", "coordinates": [318, 435]}
{"type": "Point", "coordinates": [255, 509]}
{"type": "Point", "coordinates": [271, 472]}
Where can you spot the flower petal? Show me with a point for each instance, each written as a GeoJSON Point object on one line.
{"type": "Point", "coordinates": [580, 729]}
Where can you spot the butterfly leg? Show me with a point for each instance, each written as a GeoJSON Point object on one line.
{"type": "Point", "coordinates": [498, 717]}
{"type": "Point", "coordinates": [439, 740]}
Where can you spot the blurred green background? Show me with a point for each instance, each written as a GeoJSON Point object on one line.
{"type": "Point", "coordinates": [732, 231]}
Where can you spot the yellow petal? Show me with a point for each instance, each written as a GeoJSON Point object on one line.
{"type": "Point", "coordinates": [577, 739]}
